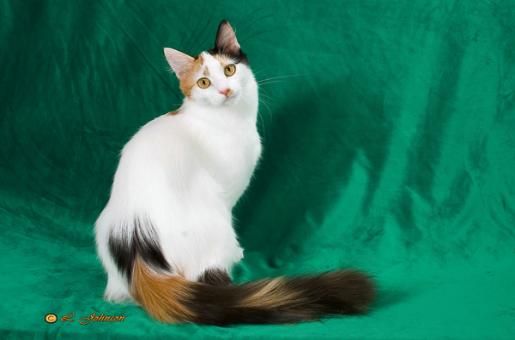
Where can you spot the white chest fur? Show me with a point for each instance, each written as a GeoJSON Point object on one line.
{"type": "Point", "coordinates": [231, 148]}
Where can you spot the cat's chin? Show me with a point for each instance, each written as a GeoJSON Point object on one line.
{"type": "Point", "coordinates": [231, 100]}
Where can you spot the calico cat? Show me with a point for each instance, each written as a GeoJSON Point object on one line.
{"type": "Point", "coordinates": [166, 237]}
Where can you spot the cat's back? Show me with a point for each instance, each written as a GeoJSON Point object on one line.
{"type": "Point", "coordinates": [150, 158]}
{"type": "Point", "coordinates": [156, 136]}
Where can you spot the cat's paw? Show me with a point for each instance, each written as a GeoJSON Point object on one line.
{"type": "Point", "coordinates": [116, 292]}
{"type": "Point", "coordinates": [117, 296]}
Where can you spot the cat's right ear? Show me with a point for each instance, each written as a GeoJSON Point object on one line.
{"type": "Point", "coordinates": [178, 61]}
{"type": "Point", "coordinates": [226, 41]}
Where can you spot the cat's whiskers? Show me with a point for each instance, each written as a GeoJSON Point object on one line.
{"type": "Point", "coordinates": [264, 101]}
{"type": "Point", "coordinates": [272, 82]}
{"type": "Point", "coordinates": [277, 79]}
{"type": "Point", "coordinates": [260, 120]}
{"type": "Point", "coordinates": [267, 106]}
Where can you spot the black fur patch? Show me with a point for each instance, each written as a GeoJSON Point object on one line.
{"type": "Point", "coordinates": [143, 243]}
{"type": "Point", "coordinates": [215, 277]}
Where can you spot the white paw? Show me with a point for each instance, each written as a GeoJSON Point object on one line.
{"type": "Point", "coordinates": [117, 296]}
{"type": "Point", "coordinates": [116, 292]}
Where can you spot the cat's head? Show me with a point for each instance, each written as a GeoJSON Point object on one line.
{"type": "Point", "coordinates": [216, 77]}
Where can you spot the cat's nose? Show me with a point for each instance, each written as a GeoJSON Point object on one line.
{"type": "Point", "coordinates": [226, 92]}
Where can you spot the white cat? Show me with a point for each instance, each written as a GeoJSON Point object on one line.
{"type": "Point", "coordinates": [166, 237]}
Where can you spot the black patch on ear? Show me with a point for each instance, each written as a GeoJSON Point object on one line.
{"type": "Point", "coordinates": [143, 243]}
{"type": "Point", "coordinates": [239, 56]}
{"type": "Point", "coordinates": [215, 277]}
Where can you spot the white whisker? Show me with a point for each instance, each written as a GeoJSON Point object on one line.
{"type": "Point", "coordinates": [261, 81]}
{"type": "Point", "coordinates": [260, 118]}
{"type": "Point", "coordinates": [272, 82]}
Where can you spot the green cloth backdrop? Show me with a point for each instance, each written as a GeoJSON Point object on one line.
{"type": "Point", "coordinates": [389, 145]}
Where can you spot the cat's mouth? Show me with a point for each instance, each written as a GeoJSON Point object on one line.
{"type": "Point", "coordinates": [230, 99]}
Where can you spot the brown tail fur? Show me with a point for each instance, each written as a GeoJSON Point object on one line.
{"type": "Point", "coordinates": [173, 299]}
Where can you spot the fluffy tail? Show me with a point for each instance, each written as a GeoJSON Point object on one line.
{"type": "Point", "coordinates": [280, 300]}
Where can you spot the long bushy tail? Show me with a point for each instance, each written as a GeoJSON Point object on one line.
{"type": "Point", "coordinates": [280, 300]}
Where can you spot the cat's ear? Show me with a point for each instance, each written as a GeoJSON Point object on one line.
{"type": "Point", "coordinates": [178, 61]}
{"type": "Point", "coordinates": [226, 41]}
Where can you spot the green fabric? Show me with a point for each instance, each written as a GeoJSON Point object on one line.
{"type": "Point", "coordinates": [389, 145]}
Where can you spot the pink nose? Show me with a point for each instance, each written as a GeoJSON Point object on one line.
{"type": "Point", "coordinates": [226, 92]}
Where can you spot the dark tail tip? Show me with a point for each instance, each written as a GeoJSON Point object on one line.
{"type": "Point", "coordinates": [354, 291]}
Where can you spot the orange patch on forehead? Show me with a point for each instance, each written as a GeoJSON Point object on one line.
{"type": "Point", "coordinates": [188, 80]}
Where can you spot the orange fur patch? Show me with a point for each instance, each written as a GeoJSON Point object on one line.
{"type": "Point", "coordinates": [162, 296]}
{"type": "Point", "coordinates": [188, 80]}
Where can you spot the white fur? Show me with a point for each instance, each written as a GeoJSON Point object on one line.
{"type": "Point", "coordinates": [185, 173]}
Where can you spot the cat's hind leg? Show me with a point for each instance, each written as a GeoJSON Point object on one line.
{"type": "Point", "coordinates": [117, 286]}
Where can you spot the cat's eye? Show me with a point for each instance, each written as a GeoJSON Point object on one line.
{"type": "Point", "coordinates": [203, 83]}
{"type": "Point", "coordinates": [229, 70]}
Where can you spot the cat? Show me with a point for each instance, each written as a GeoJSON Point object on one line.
{"type": "Point", "coordinates": [165, 237]}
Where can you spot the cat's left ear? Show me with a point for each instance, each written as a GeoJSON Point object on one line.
{"type": "Point", "coordinates": [226, 41]}
{"type": "Point", "coordinates": [179, 62]}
